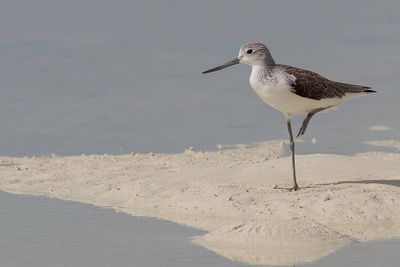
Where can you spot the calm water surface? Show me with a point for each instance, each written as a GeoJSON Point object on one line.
{"type": "Point", "coordinates": [98, 76]}
{"type": "Point", "coordinates": [38, 231]}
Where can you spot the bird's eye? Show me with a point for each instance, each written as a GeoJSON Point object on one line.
{"type": "Point", "coordinates": [249, 51]}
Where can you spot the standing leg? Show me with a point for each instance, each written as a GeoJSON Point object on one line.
{"type": "Point", "coordinates": [295, 186]}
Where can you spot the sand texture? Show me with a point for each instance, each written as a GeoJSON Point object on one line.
{"type": "Point", "coordinates": [239, 195]}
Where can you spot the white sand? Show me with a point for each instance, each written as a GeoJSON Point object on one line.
{"type": "Point", "coordinates": [239, 195]}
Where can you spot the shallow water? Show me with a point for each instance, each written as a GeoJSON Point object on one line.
{"type": "Point", "coordinates": [119, 76]}
{"type": "Point", "coordinates": [38, 231]}
{"type": "Point", "coordinates": [382, 253]}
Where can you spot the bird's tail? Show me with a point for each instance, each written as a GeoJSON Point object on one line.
{"type": "Point", "coordinates": [354, 88]}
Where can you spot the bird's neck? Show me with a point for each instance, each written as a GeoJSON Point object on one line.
{"type": "Point", "coordinates": [259, 69]}
{"type": "Point", "coordinates": [257, 73]}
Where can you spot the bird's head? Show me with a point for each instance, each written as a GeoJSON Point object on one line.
{"type": "Point", "coordinates": [254, 53]}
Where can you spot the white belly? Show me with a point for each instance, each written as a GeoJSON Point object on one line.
{"type": "Point", "coordinates": [282, 99]}
{"type": "Point", "coordinates": [278, 95]}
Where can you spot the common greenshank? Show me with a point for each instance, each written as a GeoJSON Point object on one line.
{"type": "Point", "coordinates": [292, 90]}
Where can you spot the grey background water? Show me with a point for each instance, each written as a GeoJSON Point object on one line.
{"type": "Point", "coordinates": [98, 76]}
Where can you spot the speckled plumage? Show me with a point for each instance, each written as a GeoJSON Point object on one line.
{"type": "Point", "coordinates": [312, 85]}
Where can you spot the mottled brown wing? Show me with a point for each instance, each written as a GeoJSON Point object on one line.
{"type": "Point", "coordinates": [312, 85]}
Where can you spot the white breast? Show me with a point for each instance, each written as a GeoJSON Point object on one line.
{"type": "Point", "coordinates": [275, 90]}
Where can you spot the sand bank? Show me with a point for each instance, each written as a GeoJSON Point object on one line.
{"type": "Point", "coordinates": [239, 195]}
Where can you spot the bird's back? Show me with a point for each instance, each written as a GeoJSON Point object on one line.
{"type": "Point", "coordinates": [311, 85]}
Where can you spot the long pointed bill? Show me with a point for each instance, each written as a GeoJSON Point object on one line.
{"type": "Point", "coordinates": [227, 64]}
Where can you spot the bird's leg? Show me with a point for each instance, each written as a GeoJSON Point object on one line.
{"type": "Point", "coordinates": [306, 120]}
{"type": "Point", "coordinates": [304, 124]}
{"type": "Point", "coordinates": [295, 186]}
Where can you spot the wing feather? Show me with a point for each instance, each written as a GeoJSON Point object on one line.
{"type": "Point", "coordinates": [314, 86]}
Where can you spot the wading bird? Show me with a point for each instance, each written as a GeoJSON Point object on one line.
{"type": "Point", "coordinates": [292, 90]}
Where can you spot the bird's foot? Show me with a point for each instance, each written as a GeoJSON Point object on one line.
{"type": "Point", "coordinates": [295, 188]}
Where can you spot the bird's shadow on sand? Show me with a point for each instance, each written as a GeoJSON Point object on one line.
{"type": "Point", "coordinates": [384, 182]}
{"type": "Point", "coordinates": [393, 182]}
